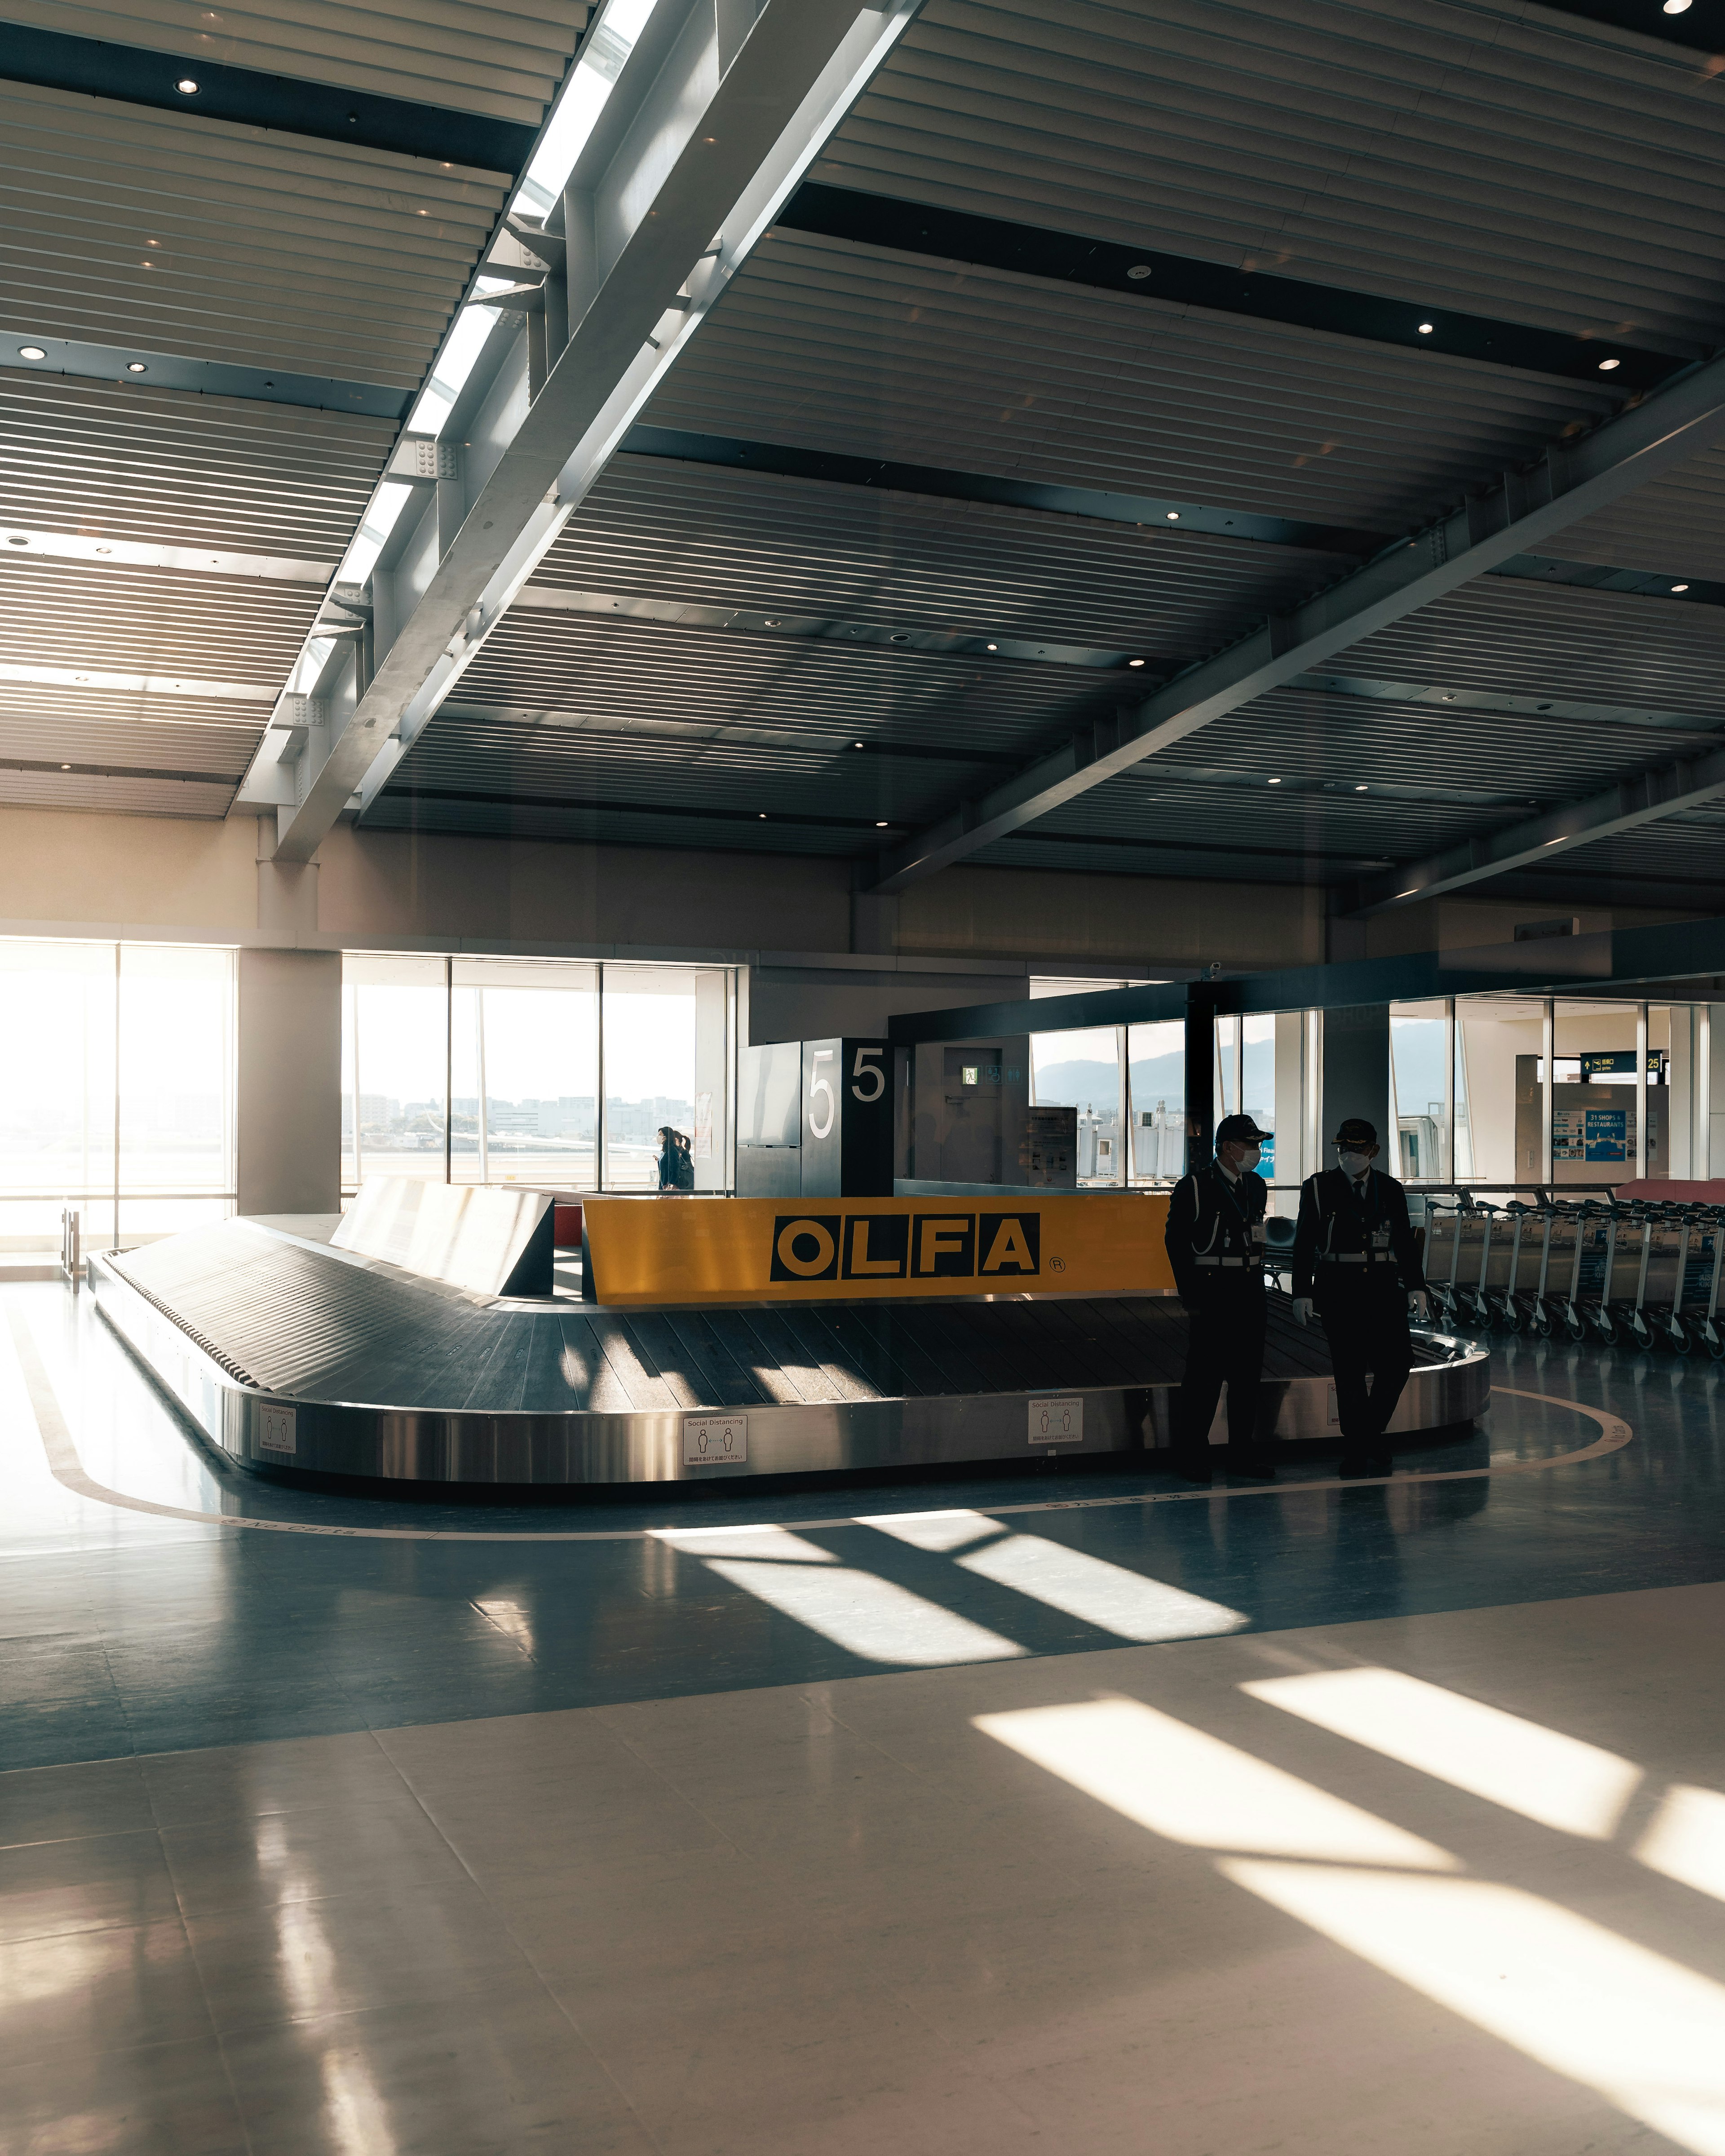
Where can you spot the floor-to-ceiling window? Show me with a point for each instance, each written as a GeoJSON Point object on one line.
{"type": "Point", "coordinates": [116, 1091]}
{"type": "Point", "coordinates": [1082, 1069]}
{"type": "Point", "coordinates": [551, 1073]}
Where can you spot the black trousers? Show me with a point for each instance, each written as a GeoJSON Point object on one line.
{"type": "Point", "coordinates": [1224, 1343]}
{"type": "Point", "coordinates": [1367, 1331]}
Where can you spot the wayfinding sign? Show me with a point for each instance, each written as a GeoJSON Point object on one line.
{"type": "Point", "coordinates": [741, 1249]}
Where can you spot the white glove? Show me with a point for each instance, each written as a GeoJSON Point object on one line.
{"type": "Point", "coordinates": [1420, 1304]}
{"type": "Point", "coordinates": [1302, 1310]}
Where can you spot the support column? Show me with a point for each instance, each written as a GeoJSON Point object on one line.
{"type": "Point", "coordinates": [288, 1069]}
{"type": "Point", "coordinates": [1356, 1076]}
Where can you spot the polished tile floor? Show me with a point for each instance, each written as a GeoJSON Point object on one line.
{"type": "Point", "coordinates": [1361, 1818]}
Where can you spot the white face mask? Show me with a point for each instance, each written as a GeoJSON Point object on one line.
{"type": "Point", "coordinates": [1354, 1163]}
{"type": "Point", "coordinates": [1248, 1159]}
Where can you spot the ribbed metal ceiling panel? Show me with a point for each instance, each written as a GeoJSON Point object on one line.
{"type": "Point", "coordinates": [821, 782]}
{"type": "Point", "coordinates": [1174, 808]}
{"type": "Point", "coordinates": [114, 796]}
{"type": "Point", "coordinates": [218, 242]}
{"type": "Point", "coordinates": [1492, 157]}
{"type": "Point", "coordinates": [1302, 736]}
{"type": "Point", "coordinates": [169, 468]}
{"type": "Point", "coordinates": [1173, 855]}
{"type": "Point", "coordinates": [823, 344]}
{"type": "Point", "coordinates": [1687, 852]}
{"type": "Point", "coordinates": [613, 826]}
{"type": "Point", "coordinates": [608, 671]}
{"type": "Point", "coordinates": [654, 528]}
{"type": "Point", "coordinates": [35, 729]}
{"type": "Point", "coordinates": [153, 621]}
{"type": "Point", "coordinates": [1676, 528]}
{"type": "Point", "coordinates": [1557, 641]}
{"type": "Point", "coordinates": [503, 61]}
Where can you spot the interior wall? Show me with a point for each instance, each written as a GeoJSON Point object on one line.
{"type": "Point", "coordinates": [1048, 913]}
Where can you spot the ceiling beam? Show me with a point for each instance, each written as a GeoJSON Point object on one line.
{"type": "Point", "coordinates": [1513, 515]}
{"type": "Point", "coordinates": [683, 145]}
{"type": "Point", "coordinates": [1646, 798]}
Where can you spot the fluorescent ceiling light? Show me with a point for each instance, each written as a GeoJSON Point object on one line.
{"type": "Point", "coordinates": [387, 504]}
{"type": "Point", "coordinates": [454, 364]}
{"type": "Point", "coordinates": [603, 52]}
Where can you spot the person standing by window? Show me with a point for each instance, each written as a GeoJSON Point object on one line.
{"type": "Point", "coordinates": [667, 1157]}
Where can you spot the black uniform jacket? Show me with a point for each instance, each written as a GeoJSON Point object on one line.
{"type": "Point", "coordinates": [1351, 1238]}
{"type": "Point", "coordinates": [1215, 1234]}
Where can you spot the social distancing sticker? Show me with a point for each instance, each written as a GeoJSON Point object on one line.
{"type": "Point", "coordinates": [729, 1249]}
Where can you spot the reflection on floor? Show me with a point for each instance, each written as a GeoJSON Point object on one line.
{"type": "Point", "coordinates": [1355, 1820]}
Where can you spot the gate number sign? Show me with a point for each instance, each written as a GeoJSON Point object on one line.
{"type": "Point", "coordinates": [715, 1440]}
{"type": "Point", "coordinates": [1057, 1422]}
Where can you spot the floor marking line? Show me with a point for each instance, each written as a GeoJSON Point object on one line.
{"type": "Point", "coordinates": [61, 1450]}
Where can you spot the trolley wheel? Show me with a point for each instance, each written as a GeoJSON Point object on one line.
{"type": "Point", "coordinates": [1679, 1336]}
{"type": "Point", "coordinates": [1575, 1325]}
{"type": "Point", "coordinates": [1511, 1318]}
{"type": "Point", "coordinates": [1604, 1326]}
{"type": "Point", "coordinates": [1540, 1323]}
{"type": "Point", "coordinates": [1715, 1345]}
{"type": "Point", "coordinates": [1634, 1332]}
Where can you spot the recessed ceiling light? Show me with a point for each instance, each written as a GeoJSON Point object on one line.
{"type": "Point", "coordinates": [1273, 781]}
{"type": "Point", "coordinates": [1676, 6]}
{"type": "Point", "coordinates": [1173, 516]}
{"type": "Point", "coordinates": [1134, 662]}
{"type": "Point", "coordinates": [186, 86]}
{"type": "Point", "coordinates": [764, 815]}
{"type": "Point", "coordinates": [1359, 789]}
{"type": "Point", "coordinates": [1138, 272]}
{"type": "Point", "coordinates": [772, 624]}
{"type": "Point", "coordinates": [31, 351]}
{"type": "Point", "coordinates": [881, 826]}
{"type": "Point", "coordinates": [856, 744]}
{"type": "Point", "coordinates": [1606, 365]}
{"type": "Point", "coordinates": [993, 647]}
{"type": "Point", "coordinates": [105, 549]}
{"type": "Point", "coordinates": [1680, 587]}
{"type": "Point", "coordinates": [1426, 328]}
{"type": "Point", "coordinates": [136, 367]}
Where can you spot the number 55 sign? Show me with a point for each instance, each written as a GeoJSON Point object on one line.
{"type": "Point", "coordinates": [847, 1119]}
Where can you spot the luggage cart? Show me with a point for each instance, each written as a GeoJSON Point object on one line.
{"type": "Point", "coordinates": [1617, 1317]}
{"type": "Point", "coordinates": [1672, 1324]}
{"type": "Point", "coordinates": [1473, 1251]}
{"type": "Point", "coordinates": [1499, 1256]}
{"type": "Point", "coordinates": [1530, 1253]}
{"type": "Point", "coordinates": [1592, 1248]}
{"type": "Point", "coordinates": [1443, 1251]}
{"type": "Point", "coordinates": [1698, 1315]}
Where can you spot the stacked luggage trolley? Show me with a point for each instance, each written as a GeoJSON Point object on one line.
{"type": "Point", "coordinates": [1643, 1275]}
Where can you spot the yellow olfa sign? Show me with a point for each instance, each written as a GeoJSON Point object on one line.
{"type": "Point", "coordinates": [744, 1249]}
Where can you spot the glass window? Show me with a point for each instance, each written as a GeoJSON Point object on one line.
{"type": "Point", "coordinates": [526, 1042]}
{"type": "Point", "coordinates": [395, 1048]}
{"type": "Point", "coordinates": [1156, 1063]}
{"type": "Point", "coordinates": [116, 1091]}
{"type": "Point", "coordinates": [1081, 1070]}
{"type": "Point", "coordinates": [1257, 1085]}
{"type": "Point", "coordinates": [649, 1026]}
{"type": "Point", "coordinates": [176, 1077]}
{"type": "Point", "coordinates": [1418, 1045]}
{"type": "Point", "coordinates": [1498, 1045]}
{"type": "Point", "coordinates": [1594, 1093]}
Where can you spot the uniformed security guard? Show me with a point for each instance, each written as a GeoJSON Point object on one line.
{"type": "Point", "coordinates": [1355, 1259]}
{"type": "Point", "coordinates": [1215, 1244]}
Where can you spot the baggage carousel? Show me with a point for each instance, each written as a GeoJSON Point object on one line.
{"type": "Point", "coordinates": [293, 1358]}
